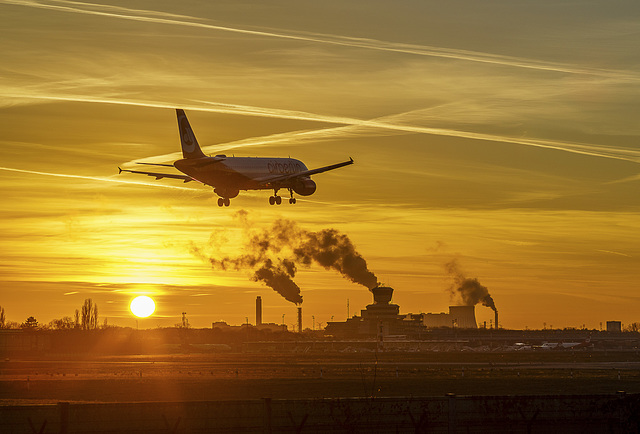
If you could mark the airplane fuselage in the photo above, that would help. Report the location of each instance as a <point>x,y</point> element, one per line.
<point>228,175</point>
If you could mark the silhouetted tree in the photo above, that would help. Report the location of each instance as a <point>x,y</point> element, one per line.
<point>2,318</point>
<point>633,327</point>
<point>63,323</point>
<point>89,315</point>
<point>12,325</point>
<point>30,323</point>
<point>77,319</point>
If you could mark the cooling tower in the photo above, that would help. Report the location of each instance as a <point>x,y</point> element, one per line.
<point>258,310</point>
<point>463,317</point>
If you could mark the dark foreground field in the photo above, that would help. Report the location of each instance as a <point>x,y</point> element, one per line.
<point>216,377</point>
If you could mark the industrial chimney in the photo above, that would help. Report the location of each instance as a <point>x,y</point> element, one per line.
<point>299,320</point>
<point>258,310</point>
<point>496,323</point>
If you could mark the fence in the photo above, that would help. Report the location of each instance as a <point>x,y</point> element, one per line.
<point>617,413</point>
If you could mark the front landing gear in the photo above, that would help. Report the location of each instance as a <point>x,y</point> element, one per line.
<point>277,200</point>
<point>224,201</point>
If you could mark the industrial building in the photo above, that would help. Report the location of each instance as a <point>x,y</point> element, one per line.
<point>614,326</point>
<point>383,317</point>
<point>463,317</point>
<point>221,325</point>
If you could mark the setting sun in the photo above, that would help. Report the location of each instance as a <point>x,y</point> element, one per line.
<point>142,306</point>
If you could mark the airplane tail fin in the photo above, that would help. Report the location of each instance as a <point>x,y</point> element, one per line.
<point>190,147</point>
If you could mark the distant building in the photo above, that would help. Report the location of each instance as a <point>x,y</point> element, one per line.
<point>614,326</point>
<point>221,325</point>
<point>272,326</point>
<point>383,317</point>
<point>436,320</point>
<point>463,317</point>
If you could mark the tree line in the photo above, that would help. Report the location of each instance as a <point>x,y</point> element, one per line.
<point>85,318</point>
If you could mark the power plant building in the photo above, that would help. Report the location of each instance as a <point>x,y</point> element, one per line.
<point>383,317</point>
<point>463,317</point>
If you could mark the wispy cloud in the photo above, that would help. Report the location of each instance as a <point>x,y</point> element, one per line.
<point>627,179</point>
<point>601,151</point>
<point>91,178</point>
<point>364,43</point>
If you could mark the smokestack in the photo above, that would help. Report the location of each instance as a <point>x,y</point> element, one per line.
<point>299,320</point>
<point>496,326</point>
<point>258,310</point>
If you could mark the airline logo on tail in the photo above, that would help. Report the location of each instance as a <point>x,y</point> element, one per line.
<point>190,148</point>
<point>188,138</point>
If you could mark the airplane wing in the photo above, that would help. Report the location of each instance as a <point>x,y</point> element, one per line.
<point>185,178</point>
<point>281,178</point>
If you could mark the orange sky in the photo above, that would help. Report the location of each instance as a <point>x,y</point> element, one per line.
<point>502,134</point>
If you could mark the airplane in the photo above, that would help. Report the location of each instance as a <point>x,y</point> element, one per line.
<point>229,175</point>
<point>566,345</point>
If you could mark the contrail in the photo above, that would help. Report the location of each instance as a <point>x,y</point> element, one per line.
<point>213,107</point>
<point>577,148</point>
<point>387,122</point>
<point>614,253</point>
<point>117,8</point>
<point>365,43</point>
<point>623,180</point>
<point>91,178</point>
<point>297,137</point>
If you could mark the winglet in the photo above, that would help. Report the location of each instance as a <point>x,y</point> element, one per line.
<point>119,170</point>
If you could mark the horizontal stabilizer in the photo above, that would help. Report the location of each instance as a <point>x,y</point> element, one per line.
<point>157,175</point>
<point>156,164</point>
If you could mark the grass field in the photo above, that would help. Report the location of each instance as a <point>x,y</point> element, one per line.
<point>251,376</point>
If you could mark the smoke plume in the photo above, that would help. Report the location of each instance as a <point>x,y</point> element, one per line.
<point>469,291</point>
<point>273,256</point>
<point>333,250</point>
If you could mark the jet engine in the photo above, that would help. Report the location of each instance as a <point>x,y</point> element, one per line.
<point>226,192</point>
<point>304,187</point>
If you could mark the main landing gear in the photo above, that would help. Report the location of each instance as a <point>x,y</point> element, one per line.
<point>224,201</point>
<point>277,200</point>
